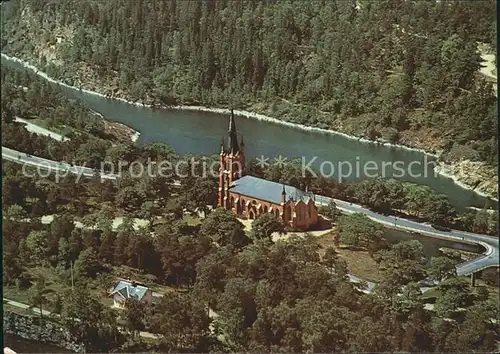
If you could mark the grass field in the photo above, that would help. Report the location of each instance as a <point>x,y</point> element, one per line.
<point>359,262</point>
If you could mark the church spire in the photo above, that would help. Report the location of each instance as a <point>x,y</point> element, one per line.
<point>222,148</point>
<point>233,138</point>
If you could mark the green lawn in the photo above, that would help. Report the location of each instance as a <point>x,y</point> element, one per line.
<point>12,293</point>
<point>192,220</point>
<point>359,262</point>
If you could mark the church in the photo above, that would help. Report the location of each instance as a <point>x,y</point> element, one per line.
<point>249,196</point>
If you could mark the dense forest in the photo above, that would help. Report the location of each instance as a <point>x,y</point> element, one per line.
<point>92,144</point>
<point>227,289</point>
<point>406,71</point>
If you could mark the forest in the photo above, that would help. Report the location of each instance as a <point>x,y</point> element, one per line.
<point>31,97</point>
<point>404,71</point>
<point>226,288</point>
<point>396,69</point>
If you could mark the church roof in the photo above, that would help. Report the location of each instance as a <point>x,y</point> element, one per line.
<point>267,190</point>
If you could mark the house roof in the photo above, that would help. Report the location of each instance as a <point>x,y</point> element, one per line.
<point>267,190</point>
<point>128,290</point>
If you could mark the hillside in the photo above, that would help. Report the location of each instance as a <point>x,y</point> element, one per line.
<point>407,72</point>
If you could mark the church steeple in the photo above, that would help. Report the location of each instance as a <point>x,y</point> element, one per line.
<point>233,138</point>
<point>232,162</point>
<point>222,148</point>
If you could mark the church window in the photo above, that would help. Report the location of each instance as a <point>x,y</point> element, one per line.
<point>288,213</point>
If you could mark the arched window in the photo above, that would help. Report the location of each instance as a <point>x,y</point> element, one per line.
<point>265,209</point>
<point>277,213</point>
<point>243,205</point>
<point>232,202</point>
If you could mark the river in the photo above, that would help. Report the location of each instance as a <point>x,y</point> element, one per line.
<point>194,132</point>
<point>190,132</point>
<point>430,245</point>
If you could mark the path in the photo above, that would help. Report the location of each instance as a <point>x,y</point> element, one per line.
<point>33,128</point>
<point>137,223</point>
<point>24,306</point>
<point>48,313</point>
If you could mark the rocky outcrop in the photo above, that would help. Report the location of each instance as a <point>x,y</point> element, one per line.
<point>473,175</point>
<point>29,328</point>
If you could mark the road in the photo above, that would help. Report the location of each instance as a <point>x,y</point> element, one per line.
<point>33,128</point>
<point>60,167</point>
<point>489,258</point>
<point>48,313</point>
<point>137,223</point>
<point>491,244</point>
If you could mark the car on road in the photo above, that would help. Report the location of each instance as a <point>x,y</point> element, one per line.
<point>441,228</point>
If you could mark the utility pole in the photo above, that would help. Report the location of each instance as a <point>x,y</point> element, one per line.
<point>72,280</point>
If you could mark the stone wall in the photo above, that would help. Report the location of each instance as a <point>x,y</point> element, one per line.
<point>29,328</point>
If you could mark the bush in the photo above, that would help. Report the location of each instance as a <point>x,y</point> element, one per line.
<point>491,276</point>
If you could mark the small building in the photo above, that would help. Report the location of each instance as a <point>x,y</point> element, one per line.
<point>125,289</point>
<point>250,196</point>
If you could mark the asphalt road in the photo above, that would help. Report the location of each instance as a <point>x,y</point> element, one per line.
<point>61,168</point>
<point>489,258</point>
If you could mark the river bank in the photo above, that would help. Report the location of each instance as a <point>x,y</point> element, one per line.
<point>482,180</point>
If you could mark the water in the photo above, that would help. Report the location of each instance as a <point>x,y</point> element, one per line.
<point>430,245</point>
<point>201,132</point>
<point>21,345</point>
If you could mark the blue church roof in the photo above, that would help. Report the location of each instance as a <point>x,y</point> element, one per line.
<point>259,188</point>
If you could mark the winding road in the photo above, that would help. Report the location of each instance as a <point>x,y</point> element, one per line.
<point>489,258</point>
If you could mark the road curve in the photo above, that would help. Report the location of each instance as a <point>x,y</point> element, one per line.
<point>489,258</point>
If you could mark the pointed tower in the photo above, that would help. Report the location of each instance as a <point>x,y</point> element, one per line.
<point>233,136</point>
<point>242,144</point>
<point>232,162</point>
<point>222,174</point>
